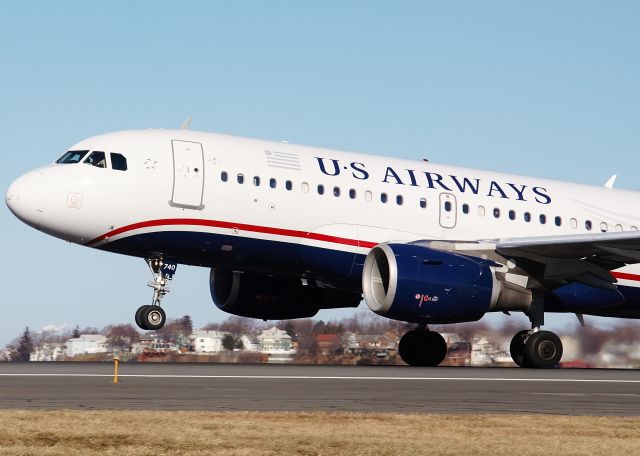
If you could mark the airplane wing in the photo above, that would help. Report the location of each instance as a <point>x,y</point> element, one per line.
<point>584,258</point>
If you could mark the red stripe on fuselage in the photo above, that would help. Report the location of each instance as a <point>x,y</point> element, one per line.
<point>626,276</point>
<point>233,226</point>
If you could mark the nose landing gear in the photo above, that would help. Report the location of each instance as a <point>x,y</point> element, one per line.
<point>152,317</point>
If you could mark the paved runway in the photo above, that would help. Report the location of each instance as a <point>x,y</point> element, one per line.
<point>181,386</point>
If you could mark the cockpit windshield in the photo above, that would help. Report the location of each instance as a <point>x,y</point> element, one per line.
<point>97,159</point>
<point>72,156</point>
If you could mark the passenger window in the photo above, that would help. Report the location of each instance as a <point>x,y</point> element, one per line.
<point>223,176</point>
<point>241,178</point>
<point>604,227</point>
<point>587,225</point>
<point>618,228</point>
<point>465,208</point>
<point>543,219</point>
<point>118,162</point>
<point>272,183</point>
<point>496,212</point>
<point>574,223</point>
<point>447,206</point>
<point>72,156</point>
<point>481,211</point>
<point>320,189</point>
<point>304,187</point>
<point>288,185</point>
<point>352,194</point>
<point>512,215</point>
<point>383,197</point>
<point>368,196</point>
<point>423,203</point>
<point>97,159</point>
<point>399,200</point>
<point>558,221</point>
<point>256,181</point>
<point>527,217</point>
<point>336,191</point>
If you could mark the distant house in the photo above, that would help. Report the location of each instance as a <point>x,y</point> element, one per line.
<point>47,352</point>
<point>249,343</point>
<point>86,344</point>
<point>328,344</point>
<point>274,341</point>
<point>205,341</point>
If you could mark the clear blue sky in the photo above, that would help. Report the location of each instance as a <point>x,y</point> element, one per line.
<point>539,88</point>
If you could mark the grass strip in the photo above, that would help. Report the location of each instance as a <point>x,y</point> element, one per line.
<point>71,432</point>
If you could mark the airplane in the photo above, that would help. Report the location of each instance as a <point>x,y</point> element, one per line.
<point>288,230</point>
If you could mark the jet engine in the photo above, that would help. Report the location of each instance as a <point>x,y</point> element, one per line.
<point>419,284</point>
<point>273,297</point>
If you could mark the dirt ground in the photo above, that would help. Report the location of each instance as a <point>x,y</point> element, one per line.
<point>72,432</point>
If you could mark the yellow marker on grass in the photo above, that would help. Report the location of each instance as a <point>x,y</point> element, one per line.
<point>116,361</point>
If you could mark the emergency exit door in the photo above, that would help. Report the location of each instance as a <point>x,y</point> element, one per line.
<point>188,174</point>
<point>448,210</point>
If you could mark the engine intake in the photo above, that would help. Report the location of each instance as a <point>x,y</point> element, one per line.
<point>273,298</point>
<point>422,285</point>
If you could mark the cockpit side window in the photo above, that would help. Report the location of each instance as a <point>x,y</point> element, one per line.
<point>118,161</point>
<point>97,159</point>
<point>72,156</point>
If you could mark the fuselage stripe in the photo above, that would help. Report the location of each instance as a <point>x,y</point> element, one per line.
<point>236,227</point>
<point>626,276</point>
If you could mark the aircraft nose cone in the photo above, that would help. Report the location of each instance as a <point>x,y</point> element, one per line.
<point>25,197</point>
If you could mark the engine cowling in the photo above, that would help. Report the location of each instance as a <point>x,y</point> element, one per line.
<point>422,285</point>
<point>273,298</point>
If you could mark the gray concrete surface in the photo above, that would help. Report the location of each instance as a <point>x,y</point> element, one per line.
<point>182,386</point>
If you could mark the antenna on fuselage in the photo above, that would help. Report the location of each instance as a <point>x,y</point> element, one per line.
<point>611,181</point>
<point>186,124</point>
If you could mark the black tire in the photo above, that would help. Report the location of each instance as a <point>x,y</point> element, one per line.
<point>517,348</point>
<point>435,350</point>
<point>153,317</point>
<point>138,317</point>
<point>543,350</point>
<point>409,346</point>
<point>422,348</point>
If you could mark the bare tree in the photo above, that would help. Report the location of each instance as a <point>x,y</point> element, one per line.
<point>121,336</point>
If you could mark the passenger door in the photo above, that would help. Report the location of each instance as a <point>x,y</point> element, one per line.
<point>188,174</point>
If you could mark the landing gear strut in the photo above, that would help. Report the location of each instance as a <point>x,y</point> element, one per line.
<point>421,347</point>
<point>536,348</point>
<point>152,317</point>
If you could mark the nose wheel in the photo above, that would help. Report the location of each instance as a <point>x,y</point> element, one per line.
<point>152,317</point>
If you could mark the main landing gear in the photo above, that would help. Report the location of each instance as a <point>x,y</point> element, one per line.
<point>421,347</point>
<point>536,348</point>
<point>152,317</point>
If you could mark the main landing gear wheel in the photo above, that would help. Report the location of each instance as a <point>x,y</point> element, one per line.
<point>421,347</point>
<point>517,347</point>
<point>540,349</point>
<point>543,350</point>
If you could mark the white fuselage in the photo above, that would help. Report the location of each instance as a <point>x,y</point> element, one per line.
<point>187,181</point>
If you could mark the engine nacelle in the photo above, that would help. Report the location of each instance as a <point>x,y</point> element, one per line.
<point>422,285</point>
<point>273,298</point>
